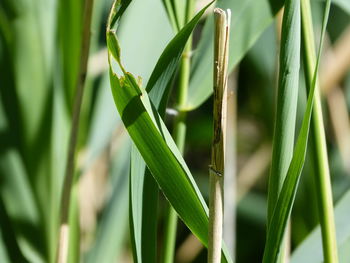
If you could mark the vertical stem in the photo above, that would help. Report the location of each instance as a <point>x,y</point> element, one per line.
<point>222,20</point>
<point>322,175</point>
<point>62,253</point>
<point>230,184</point>
<point>179,134</point>
<point>287,100</point>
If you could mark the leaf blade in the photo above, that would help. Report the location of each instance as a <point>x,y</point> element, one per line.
<point>285,200</point>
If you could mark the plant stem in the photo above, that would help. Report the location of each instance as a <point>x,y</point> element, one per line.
<point>216,197</point>
<point>322,175</point>
<point>230,184</point>
<point>62,253</point>
<point>179,134</point>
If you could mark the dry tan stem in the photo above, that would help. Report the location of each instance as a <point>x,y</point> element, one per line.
<point>229,224</point>
<point>222,29</point>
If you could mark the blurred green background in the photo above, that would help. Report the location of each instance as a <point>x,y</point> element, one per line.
<point>39,63</point>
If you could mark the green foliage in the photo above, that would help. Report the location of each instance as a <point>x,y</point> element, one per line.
<point>283,207</point>
<point>151,137</point>
<point>40,54</point>
<point>249,20</point>
<point>283,140</point>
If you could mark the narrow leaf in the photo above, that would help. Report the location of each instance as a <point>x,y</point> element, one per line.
<point>283,139</point>
<point>143,188</point>
<point>285,201</point>
<point>160,153</point>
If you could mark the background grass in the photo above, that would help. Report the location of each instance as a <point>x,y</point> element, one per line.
<point>39,60</point>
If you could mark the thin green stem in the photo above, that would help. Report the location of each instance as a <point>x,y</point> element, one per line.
<point>62,251</point>
<point>179,134</point>
<point>322,175</point>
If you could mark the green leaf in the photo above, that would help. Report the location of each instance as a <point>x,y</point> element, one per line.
<point>168,62</point>
<point>143,189</point>
<point>318,139</point>
<point>159,151</point>
<point>169,7</point>
<point>283,138</point>
<point>287,100</point>
<point>249,19</point>
<point>176,11</point>
<point>154,34</point>
<point>343,4</point>
<point>143,198</point>
<point>310,249</point>
<point>285,200</point>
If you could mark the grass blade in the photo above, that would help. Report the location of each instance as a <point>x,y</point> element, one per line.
<point>171,11</point>
<point>283,138</point>
<point>141,185</point>
<point>169,169</point>
<point>343,4</point>
<point>319,147</point>
<point>179,123</point>
<point>143,199</point>
<point>285,201</point>
<point>152,139</point>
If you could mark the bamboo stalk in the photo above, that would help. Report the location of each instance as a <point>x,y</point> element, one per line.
<point>62,252</point>
<point>216,171</point>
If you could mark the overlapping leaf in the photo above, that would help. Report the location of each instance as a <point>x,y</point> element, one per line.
<point>143,188</point>
<point>285,200</point>
<point>157,147</point>
<point>283,140</point>
<point>159,151</point>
